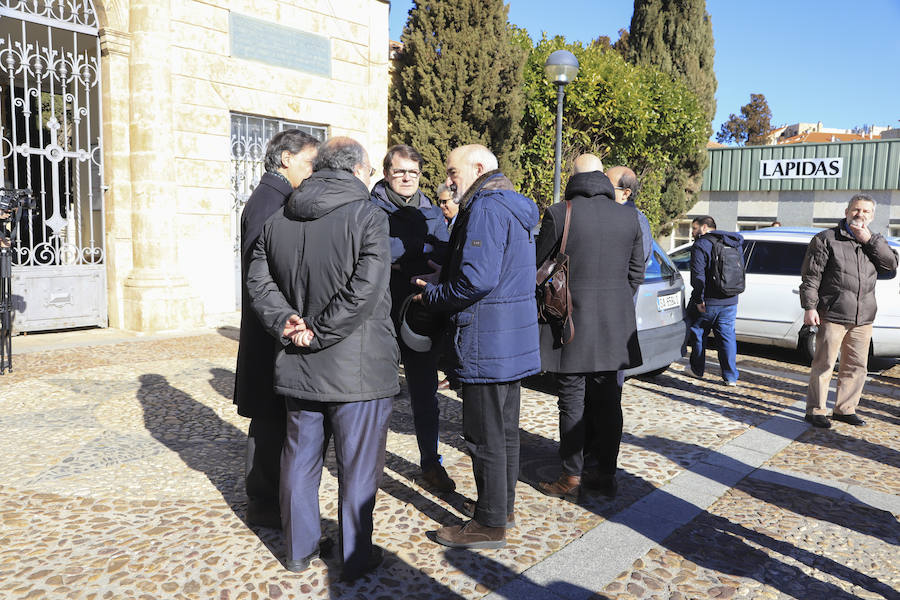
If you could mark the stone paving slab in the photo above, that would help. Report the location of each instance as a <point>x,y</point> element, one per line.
<point>122,474</point>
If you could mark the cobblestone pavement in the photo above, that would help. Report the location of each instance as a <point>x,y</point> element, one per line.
<point>122,469</point>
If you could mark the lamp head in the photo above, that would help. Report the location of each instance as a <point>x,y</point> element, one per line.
<point>561,67</point>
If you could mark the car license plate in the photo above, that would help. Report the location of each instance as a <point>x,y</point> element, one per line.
<point>667,302</point>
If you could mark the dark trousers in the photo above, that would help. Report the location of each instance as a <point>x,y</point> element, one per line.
<point>421,380</point>
<point>590,420</point>
<point>265,439</point>
<point>360,434</point>
<point>491,430</point>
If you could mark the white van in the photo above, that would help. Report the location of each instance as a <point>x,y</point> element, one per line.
<point>769,310</point>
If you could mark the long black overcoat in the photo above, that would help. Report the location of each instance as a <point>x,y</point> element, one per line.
<point>606,266</point>
<point>253,383</point>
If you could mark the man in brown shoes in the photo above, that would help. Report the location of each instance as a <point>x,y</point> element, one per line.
<point>604,245</point>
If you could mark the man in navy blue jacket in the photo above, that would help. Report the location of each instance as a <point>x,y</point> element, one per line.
<point>487,286</point>
<point>418,235</point>
<point>709,308</point>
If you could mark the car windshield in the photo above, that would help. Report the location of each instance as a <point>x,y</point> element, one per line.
<point>659,266</point>
<point>682,259</point>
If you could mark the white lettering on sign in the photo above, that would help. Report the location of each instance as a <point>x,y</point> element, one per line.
<point>801,168</point>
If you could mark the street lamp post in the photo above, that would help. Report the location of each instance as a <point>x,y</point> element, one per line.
<point>561,68</point>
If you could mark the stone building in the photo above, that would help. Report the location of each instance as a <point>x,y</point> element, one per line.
<point>801,185</point>
<point>140,124</point>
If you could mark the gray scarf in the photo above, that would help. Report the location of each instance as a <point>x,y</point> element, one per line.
<point>401,202</point>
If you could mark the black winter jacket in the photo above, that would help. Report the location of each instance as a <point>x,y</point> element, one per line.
<point>839,275</point>
<point>606,267</point>
<point>253,392</point>
<point>326,257</point>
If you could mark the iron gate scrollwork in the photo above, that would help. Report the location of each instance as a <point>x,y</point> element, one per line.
<point>50,142</point>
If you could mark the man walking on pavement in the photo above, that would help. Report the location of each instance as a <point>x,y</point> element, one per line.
<point>318,281</point>
<point>606,266</point>
<point>710,306</point>
<point>418,235</point>
<point>288,162</point>
<point>837,294</point>
<point>488,287</point>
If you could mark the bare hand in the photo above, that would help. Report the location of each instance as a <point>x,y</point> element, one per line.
<point>302,339</point>
<point>861,233</point>
<point>701,307</point>
<point>811,317</point>
<point>294,325</point>
<point>433,278</point>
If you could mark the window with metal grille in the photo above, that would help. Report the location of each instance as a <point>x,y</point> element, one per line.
<point>249,136</point>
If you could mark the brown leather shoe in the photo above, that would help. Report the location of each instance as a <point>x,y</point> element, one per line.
<point>468,509</point>
<point>566,485</point>
<point>472,535</point>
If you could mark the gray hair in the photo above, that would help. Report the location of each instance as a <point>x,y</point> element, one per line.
<point>861,198</point>
<point>629,181</point>
<point>340,154</point>
<point>289,140</point>
<point>441,189</point>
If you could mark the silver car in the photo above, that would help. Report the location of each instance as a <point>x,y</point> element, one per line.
<point>660,315</point>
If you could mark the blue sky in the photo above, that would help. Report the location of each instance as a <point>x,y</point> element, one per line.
<point>830,60</point>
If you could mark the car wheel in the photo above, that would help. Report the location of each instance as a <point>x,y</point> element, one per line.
<point>806,345</point>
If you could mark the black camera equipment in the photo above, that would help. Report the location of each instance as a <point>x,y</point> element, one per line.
<point>13,204</point>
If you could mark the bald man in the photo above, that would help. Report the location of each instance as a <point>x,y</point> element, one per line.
<point>587,163</point>
<point>605,269</point>
<point>487,287</point>
<point>627,186</point>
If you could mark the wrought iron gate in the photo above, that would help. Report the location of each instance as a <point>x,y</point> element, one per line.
<point>50,142</point>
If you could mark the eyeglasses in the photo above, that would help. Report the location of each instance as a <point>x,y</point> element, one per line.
<point>413,173</point>
<point>619,188</point>
<point>445,201</point>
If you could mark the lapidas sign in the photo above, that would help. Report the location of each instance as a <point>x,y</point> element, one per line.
<point>802,168</point>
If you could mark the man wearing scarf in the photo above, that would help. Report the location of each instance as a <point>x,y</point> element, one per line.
<point>418,237</point>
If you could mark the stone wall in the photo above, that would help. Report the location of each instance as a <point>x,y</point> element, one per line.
<point>194,208</point>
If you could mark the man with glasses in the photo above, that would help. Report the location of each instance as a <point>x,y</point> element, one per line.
<point>418,237</point>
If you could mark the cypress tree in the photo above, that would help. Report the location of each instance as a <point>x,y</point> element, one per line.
<point>676,37</point>
<point>458,81</point>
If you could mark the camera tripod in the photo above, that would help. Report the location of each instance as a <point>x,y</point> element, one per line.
<point>5,309</point>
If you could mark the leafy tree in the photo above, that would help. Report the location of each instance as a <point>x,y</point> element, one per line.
<point>459,81</point>
<point>676,37</point>
<point>751,127</point>
<point>627,114</point>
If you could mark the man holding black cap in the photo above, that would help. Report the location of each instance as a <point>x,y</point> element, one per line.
<point>418,237</point>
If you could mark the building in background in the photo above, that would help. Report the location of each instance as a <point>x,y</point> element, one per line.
<point>140,125</point>
<point>801,185</point>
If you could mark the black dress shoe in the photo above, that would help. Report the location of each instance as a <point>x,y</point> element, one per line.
<point>593,482</point>
<point>300,565</point>
<point>375,559</point>
<point>852,419</point>
<point>818,421</point>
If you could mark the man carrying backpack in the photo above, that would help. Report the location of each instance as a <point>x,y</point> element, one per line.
<point>717,277</point>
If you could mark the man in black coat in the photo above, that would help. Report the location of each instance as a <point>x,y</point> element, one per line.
<point>289,159</point>
<point>318,281</point>
<point>606,266</point>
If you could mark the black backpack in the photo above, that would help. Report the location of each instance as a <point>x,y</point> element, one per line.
<point>726,268</point>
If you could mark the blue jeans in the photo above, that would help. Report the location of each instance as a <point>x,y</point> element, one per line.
<point>721,320</point>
